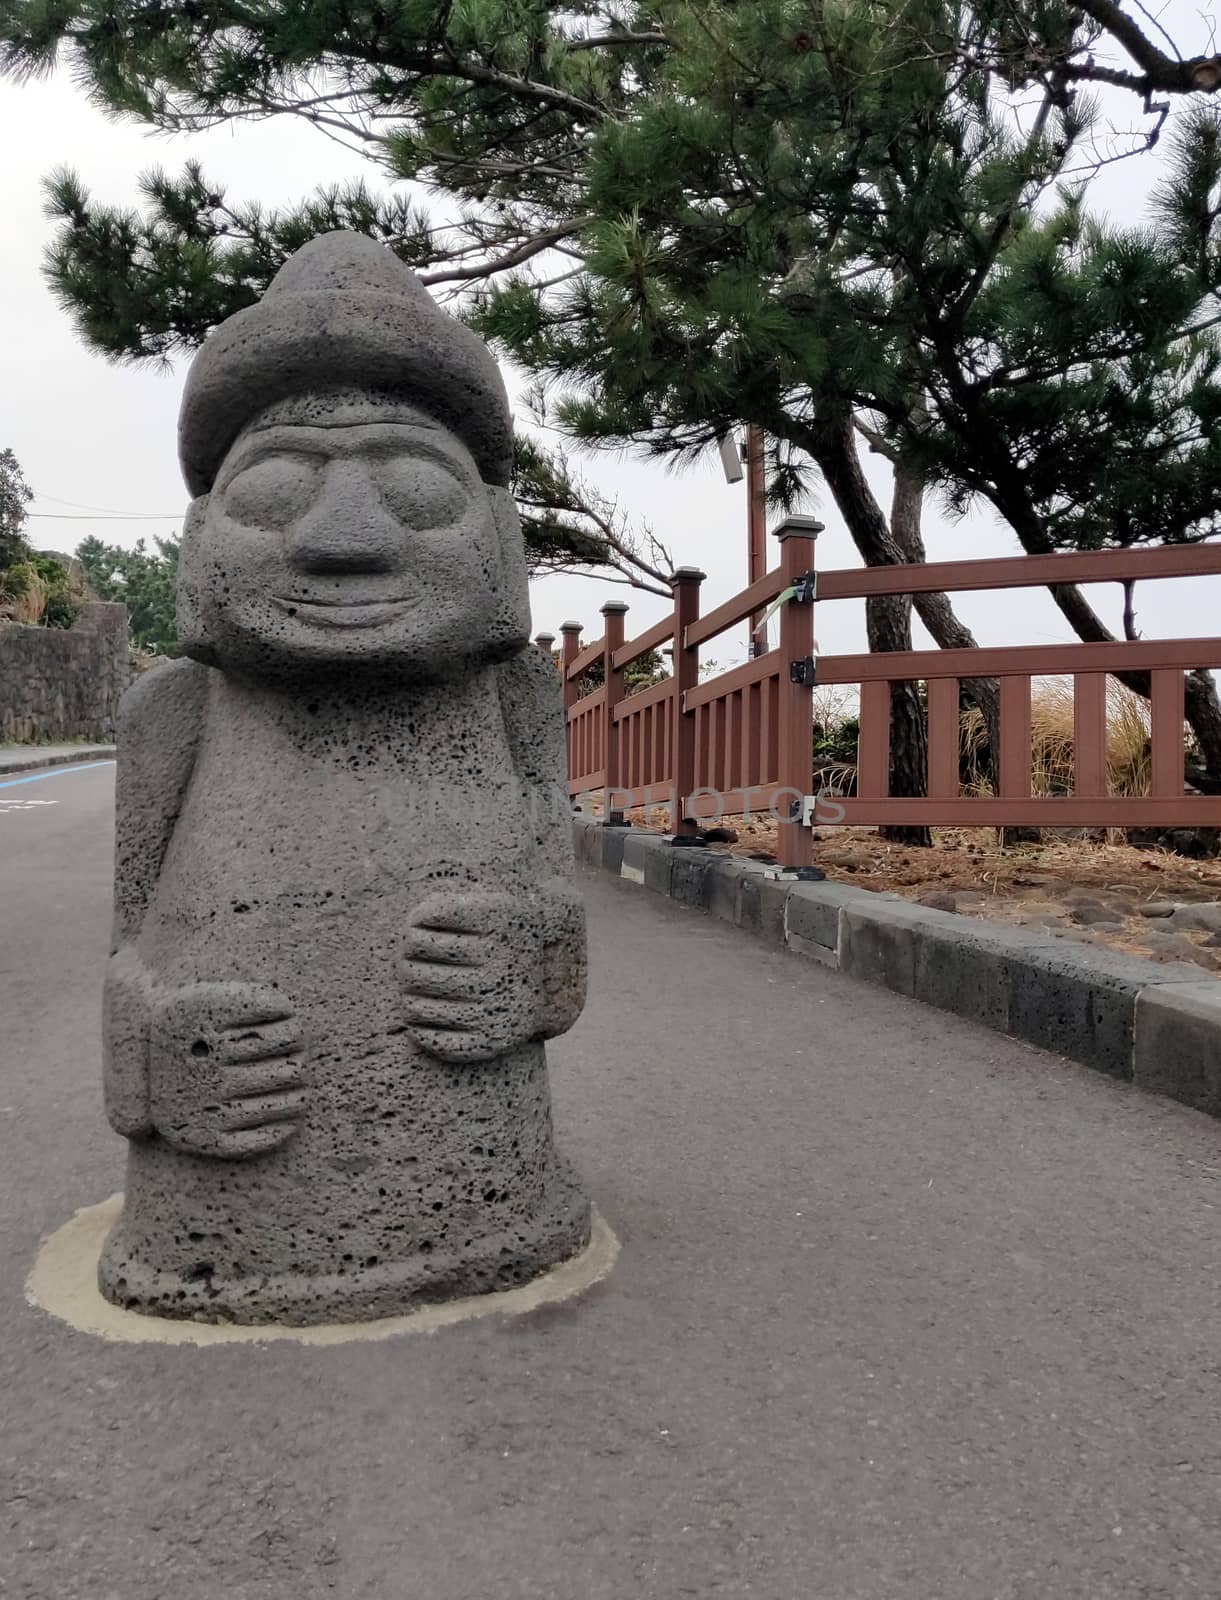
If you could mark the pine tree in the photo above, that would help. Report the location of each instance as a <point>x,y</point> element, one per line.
<point>826,219</point>
<point>144,580</point>
<point>15,496</point>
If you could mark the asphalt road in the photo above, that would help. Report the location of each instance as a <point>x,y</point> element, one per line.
<point>905,1311</point>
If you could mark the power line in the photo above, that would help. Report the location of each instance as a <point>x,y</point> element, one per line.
<point>116,516</point>
<point>78,505</point>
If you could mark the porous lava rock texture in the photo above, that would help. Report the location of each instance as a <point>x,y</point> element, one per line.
<point>344,917</point>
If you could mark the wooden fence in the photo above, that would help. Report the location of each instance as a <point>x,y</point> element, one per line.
<point>743,741</point>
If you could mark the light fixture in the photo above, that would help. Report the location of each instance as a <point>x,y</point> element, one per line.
<point>731,458</point>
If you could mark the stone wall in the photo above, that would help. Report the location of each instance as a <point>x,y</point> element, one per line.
<point>64,683</point>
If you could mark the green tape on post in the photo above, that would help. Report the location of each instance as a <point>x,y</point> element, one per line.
<point>787,594</point>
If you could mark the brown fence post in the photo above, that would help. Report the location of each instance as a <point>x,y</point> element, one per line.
<point>546,643</point>
<point>570,650</point>
<point>614,612</point>
<point>686,582</point>
<point>796,716</point>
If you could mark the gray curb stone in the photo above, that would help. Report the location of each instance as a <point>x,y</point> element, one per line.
<point>812,917</point>
<point>1156,1025</point>
<point>1178,1027</point>
<point>12,763</point>
<point>761,906</point>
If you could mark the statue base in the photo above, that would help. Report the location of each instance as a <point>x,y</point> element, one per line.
<point>362,1291</point>
<point>64,1284</point>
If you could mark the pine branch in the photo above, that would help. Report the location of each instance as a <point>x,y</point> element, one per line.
<point>1159,72</point>
<point>616,40</point>
<point>512,258</point>
<point>956,315</point>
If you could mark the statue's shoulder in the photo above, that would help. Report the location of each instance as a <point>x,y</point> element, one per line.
<point>165,703</point>
<point>533,710</point>
<point>160,718</point>
<point>530,672</point>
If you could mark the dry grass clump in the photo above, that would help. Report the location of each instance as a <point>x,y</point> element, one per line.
<point>1129,761</point>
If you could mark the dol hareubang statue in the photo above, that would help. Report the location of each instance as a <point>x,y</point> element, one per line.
<point>343,918</point>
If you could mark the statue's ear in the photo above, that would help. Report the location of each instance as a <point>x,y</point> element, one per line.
<point>512,623</point>
<point>190,610</point>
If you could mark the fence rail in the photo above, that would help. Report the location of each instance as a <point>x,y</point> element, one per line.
<point>743,740</point>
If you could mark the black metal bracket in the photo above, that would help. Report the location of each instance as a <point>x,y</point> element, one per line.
<point>805,588</point>
<point>803,672</point>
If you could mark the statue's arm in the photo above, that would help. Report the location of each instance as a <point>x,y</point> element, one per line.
<point>534,717</point>
<point>159,722</point>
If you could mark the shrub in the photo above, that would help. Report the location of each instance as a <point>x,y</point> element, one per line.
<point>1128,748</point>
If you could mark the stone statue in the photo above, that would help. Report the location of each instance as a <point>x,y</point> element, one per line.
<point>344,922</point>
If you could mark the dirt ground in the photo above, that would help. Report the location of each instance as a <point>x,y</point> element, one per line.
<point>1145,901</point>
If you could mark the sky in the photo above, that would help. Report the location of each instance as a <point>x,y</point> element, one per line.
<point>96,439</point>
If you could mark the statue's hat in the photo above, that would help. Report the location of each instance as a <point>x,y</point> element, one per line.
<point>343,313</point>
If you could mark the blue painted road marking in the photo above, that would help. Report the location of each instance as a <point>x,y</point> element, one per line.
<point>55,772</point>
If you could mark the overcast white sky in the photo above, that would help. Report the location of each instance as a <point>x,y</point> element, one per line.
<point>103,436</point>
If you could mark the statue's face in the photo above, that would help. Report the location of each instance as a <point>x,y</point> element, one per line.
<point>340,531</point>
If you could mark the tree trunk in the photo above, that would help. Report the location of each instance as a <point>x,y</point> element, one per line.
<point>832,445</point>
<point>887,617</point>
<point>1201,703</point>
<point>935,611</point>
<point>888,625</point>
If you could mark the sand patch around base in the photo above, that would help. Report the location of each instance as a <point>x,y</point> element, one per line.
<point>63,1283</point>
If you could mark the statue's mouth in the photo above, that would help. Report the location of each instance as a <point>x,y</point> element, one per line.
<point>346,613</point>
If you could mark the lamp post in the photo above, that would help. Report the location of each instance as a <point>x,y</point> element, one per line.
<point>756,531</point>
<point>756,515</point>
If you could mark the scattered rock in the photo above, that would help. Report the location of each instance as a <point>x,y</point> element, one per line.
<point>1091,912</point>
<point>1206,916</point>
<point>938,900</point>
<point>835,859</point>
<point>1177,947</point>
<point>1198,844</point>
<point>1157,908</point>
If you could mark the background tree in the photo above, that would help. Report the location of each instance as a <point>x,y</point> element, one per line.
<point>144,580</point>
<point>15,496</point>
<point>35,587</point>
<point>832,220</point>
<point>570,526</point>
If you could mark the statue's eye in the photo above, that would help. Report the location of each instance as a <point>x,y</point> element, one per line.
<point>420,492</point>
<point>273,491</point>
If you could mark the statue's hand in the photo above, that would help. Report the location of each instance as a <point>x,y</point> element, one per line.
<point>473,974</point>
<point>225,1069</point>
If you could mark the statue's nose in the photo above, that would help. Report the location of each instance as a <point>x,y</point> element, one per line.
<point>347,529</point>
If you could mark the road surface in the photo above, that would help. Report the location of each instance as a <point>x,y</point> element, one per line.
<point>905,1311</point>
